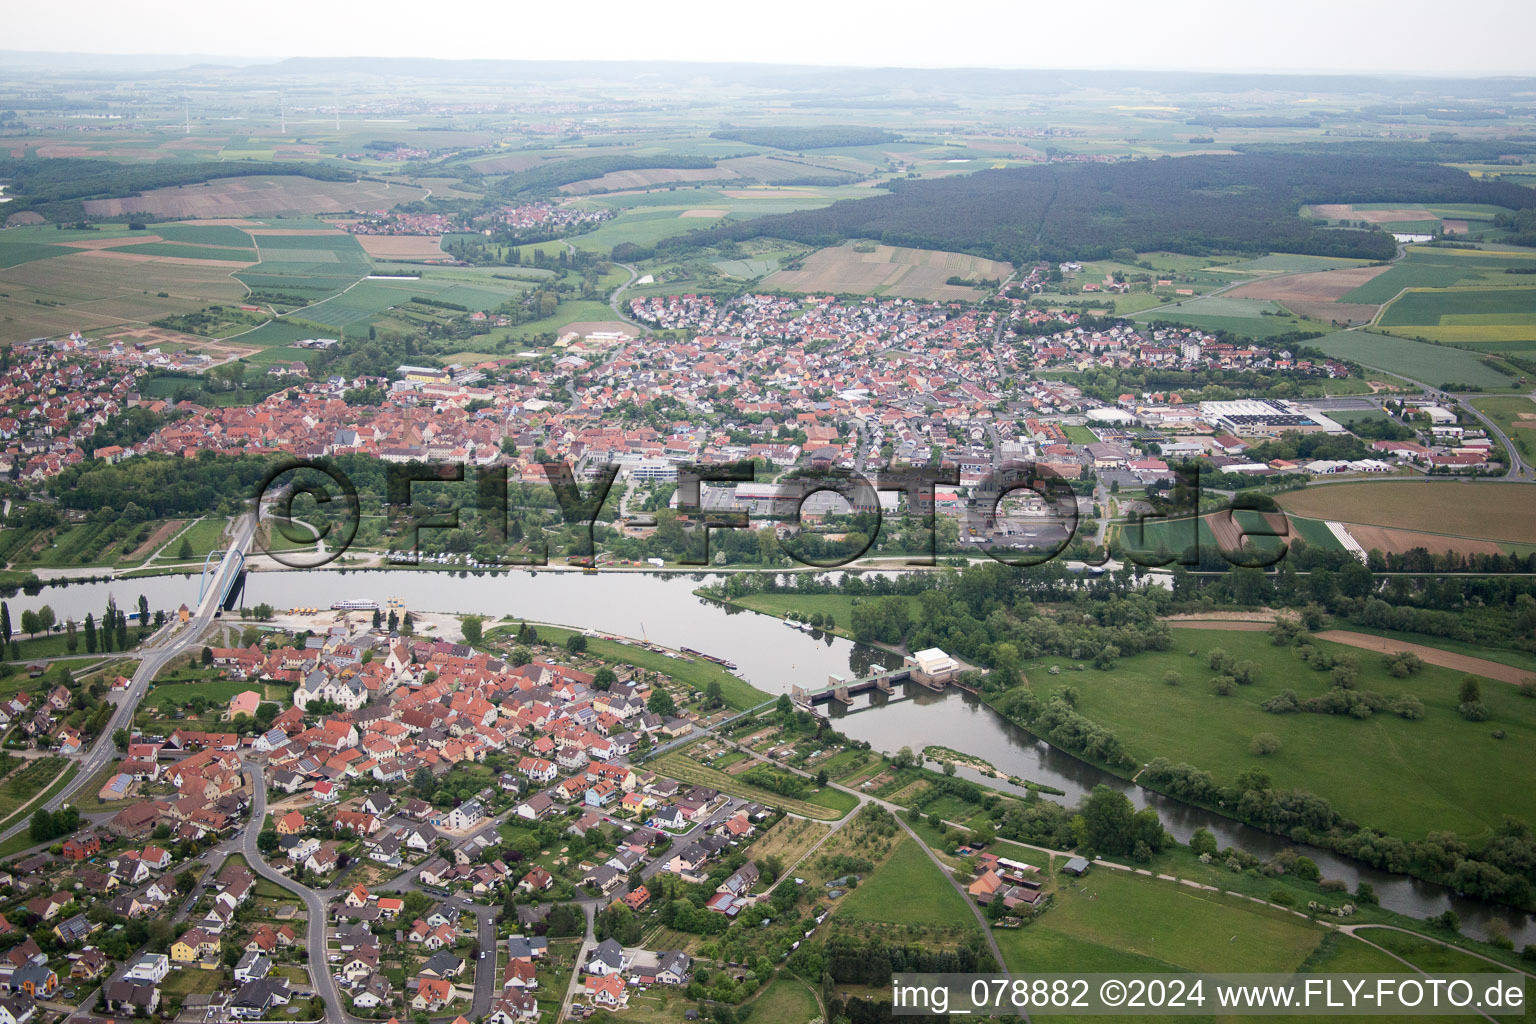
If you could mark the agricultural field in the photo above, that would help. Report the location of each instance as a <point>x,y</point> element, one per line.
<point>1432,364</point>
<point>614,181</point>
<point>1316,294</point>
<point>1430,267</point>
<point>1393,541</point>
<point>1440,772</point>
<point>868,269</point>
<point>1499,512</point>
<point>47,290</point>
<point>1465,315</point>
<point>1243,529</point>
<point>277,196</point>
<point>1116,921</point>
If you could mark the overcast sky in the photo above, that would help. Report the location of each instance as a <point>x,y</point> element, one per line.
<point>1409,36</point>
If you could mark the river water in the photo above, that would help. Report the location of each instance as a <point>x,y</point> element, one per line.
<point>663,609</point>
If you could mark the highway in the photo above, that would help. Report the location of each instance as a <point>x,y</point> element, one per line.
<point>151,660</point>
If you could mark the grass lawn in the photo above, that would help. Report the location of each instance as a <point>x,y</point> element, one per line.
<point>192,980</point>
<point>1407,777</point>
<point>907,890</point>
<point>738,693</point>
<point>828,805</point>
<point>176,694</point>
<point>1114,920</point>
<point>203,536</point>
<point>22,840</point>
<point>1081,435</point>
<point>784,1001</point>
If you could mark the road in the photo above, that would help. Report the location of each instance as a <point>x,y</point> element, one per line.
<point>314,904</point>
<point>174,640</point>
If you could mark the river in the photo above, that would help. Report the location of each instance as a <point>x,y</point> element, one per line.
<point>663,609</point>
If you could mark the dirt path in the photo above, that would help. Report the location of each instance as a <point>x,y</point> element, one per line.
<point>1366,642</point>
<point>1430,655</point>
<point>1232,625</point>
<point>161,536</point>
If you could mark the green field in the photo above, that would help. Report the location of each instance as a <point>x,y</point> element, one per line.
<point>1257,318</point>
<point>204,234</point>
<point>1116,921</point>
<point>1432,364</point>
<point>1432,306</point>
<point>1406,777</point>
<point>1425,267</point>
<point>908,889</point>
<point>1080,435</point>
<point>190,252</point>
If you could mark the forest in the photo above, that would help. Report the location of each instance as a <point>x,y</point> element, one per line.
<point>1195,205</point>
<point>796,139</point>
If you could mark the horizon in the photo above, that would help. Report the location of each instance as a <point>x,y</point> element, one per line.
<point>1196,36</point>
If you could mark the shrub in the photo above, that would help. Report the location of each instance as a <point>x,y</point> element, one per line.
<point>1264,744</point>
<point>1473,711</point>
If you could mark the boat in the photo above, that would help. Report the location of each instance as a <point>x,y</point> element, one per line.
<point>356,604</point>
<point>709,657</point>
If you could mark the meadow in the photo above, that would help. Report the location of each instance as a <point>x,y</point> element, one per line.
<point>1116,921</point>
<point>907,889</point>
<point>1407,777</point>
<point>1485,511</point>
<point>786,1001</point>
